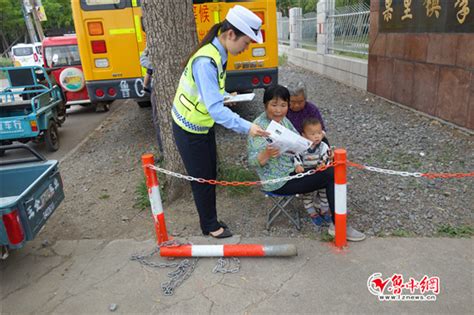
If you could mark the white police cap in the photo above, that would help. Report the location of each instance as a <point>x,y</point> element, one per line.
<point>245,21</point>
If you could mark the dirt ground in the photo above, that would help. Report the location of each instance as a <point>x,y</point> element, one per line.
<point>102,176</point>
<point>101,180</point>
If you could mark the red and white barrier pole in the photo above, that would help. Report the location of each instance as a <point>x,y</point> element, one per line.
<point>228,250</point>
<point>340,196</point>
<point>155,198</point>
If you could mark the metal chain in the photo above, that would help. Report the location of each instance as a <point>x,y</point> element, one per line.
<point>235,183</point>
<point>384,171</point>
<point>183,270</point>
<point>224,265</point>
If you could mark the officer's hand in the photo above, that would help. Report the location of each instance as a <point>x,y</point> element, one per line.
<point>256,130</point>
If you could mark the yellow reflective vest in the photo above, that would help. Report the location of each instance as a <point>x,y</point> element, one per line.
<point>189,112</point>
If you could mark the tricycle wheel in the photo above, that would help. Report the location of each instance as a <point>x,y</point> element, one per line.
<point>51,136</point>
<point>3,252</point>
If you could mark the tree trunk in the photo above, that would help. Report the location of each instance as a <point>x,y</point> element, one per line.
<point>171,37</point>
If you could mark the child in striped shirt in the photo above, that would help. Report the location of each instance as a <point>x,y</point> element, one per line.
<point>317,155</point>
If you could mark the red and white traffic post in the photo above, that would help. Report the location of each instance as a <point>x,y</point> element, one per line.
<point>340,196</point>
<point>155,198</point>
<point>229,250</point>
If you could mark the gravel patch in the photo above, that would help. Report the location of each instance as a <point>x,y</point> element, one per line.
<point>102,175</point>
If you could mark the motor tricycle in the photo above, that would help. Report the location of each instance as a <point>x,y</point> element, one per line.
<point>30,191</point>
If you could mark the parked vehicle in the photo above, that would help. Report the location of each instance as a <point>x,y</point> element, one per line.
<point>62,60</point>
<point>27,55</point>
<point>30,190</point>
<point>31,108</point>
<point>111,39</point>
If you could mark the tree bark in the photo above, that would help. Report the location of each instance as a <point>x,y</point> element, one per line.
<point>171,37</point>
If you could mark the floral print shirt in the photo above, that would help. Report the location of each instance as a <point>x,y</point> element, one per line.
<point>276,167</point>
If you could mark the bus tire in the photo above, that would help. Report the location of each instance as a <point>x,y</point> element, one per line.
<point>144,104</point>
<point>105,106</point>
<point>51,136</point>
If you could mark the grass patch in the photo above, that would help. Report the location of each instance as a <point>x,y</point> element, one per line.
<point>104,196</point>
<point>325,237</point>
<point>142,201</point>
<point>282,60</point>
<point>239,174</point>
<point>462,231</point>
<point>351,54</point>
<point>401,233</point>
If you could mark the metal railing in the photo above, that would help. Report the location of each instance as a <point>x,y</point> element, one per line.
<point>283,27</point>
<point>308,32</point>
<point>348,29</point>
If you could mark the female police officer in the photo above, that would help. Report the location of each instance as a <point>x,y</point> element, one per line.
<point>198,104</point>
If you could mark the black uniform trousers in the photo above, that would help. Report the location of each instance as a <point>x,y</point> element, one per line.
<point>199,155</point>
<point>307,184</point>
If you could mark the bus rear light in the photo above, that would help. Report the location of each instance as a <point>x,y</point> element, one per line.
<point>261,15</point>
<point>98,46</point>
<point>255,80</point>
<point>111,91</point>
<point>95,28</point>
<point>101,63</point>
<point>267,79</point>
<point>34,125</point>
<point>263,35</point>
<point>12,224</point>
<point>258,52</point>
<point>99,93</point>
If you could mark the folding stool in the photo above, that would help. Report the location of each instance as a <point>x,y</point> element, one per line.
<point>280,203</point>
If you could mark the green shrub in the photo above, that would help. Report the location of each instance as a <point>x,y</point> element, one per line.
<point>282,60</point>
<point>5,62</point>
<point>455,231</point>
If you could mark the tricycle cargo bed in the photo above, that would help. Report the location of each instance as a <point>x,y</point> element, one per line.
<point>29,194</point>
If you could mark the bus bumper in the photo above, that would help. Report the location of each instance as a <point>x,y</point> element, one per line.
<point>109,90</point>
<point>244,80</point>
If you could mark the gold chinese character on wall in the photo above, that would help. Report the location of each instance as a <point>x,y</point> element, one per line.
<point>464,10</point>
<point>407,5</point>
<point>387,14</point>
<point>432,6</point>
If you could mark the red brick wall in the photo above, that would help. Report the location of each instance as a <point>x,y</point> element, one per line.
<point>431,72</point>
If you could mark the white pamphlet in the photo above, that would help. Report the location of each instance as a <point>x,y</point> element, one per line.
<point>247,97</point>
<point>287,141</point>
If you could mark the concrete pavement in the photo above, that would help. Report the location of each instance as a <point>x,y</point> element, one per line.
<point>87,276</point>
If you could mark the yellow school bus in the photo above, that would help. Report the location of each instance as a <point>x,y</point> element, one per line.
<point>110,39</point>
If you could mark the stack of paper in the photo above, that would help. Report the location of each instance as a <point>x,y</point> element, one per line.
<point>287,141</point>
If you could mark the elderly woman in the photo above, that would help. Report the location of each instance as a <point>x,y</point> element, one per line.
<point>270,164</point>
<point>300,108</point>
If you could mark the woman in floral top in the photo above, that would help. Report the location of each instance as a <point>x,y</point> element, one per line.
<point>270,164</point>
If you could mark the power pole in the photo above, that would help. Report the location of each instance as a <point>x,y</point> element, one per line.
<point>26,8</point>
<point>35,4</point>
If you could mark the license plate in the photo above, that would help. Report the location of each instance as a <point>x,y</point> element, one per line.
<point>11,126</point>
